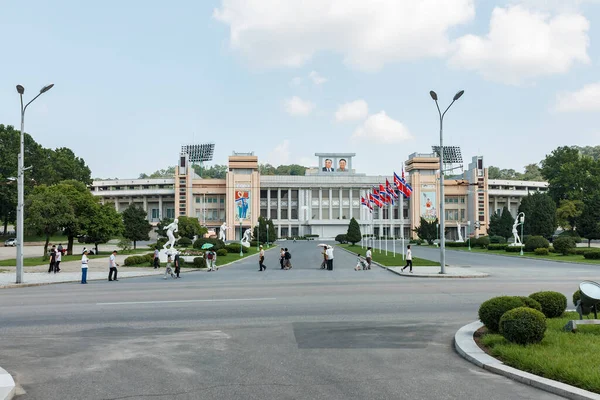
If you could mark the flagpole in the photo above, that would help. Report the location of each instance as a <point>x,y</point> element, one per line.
<point>386,236</point>
<point>402,223</point>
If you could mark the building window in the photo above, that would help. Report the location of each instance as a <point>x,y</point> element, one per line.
<point>170,213</point>
<point>273,213</point>
<point>263,212</point>
<point>462,215</point>
<point>263,194</point>
<point>294,231</point>
<point>155,213</point>
<point>294,213</point>
<point>284,213</point>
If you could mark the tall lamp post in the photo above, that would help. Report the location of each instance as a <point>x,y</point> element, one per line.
<point>20,180</point>
<point>469,234</point>
<point>442,216</point>
<point>522,221</point>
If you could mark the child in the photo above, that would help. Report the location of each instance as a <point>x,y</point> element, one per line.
<point>169,270</point>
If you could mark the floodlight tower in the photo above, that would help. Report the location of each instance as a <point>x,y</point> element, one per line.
<point>199,153</point>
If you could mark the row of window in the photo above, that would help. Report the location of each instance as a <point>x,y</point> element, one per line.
<point>170,213</point>
<point>137,187</point>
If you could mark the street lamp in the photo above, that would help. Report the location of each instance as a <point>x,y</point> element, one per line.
<point>442,216</point>
<point>521,217</point>
<point>20,183</point>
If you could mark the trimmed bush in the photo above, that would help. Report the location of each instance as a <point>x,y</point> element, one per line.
<point>563,244</point>
<point>199,262</point>
<point>580,251</point>
<point>572,234</point>
<point>497,246</point>
<point>221,252</point>
<point>536,242</point>
<point>551,249</point>
<point>513,249</point>
<point>531,303</point>
<point>482,242</point>
<point>523,325</point>
<point>184,241</point>
<point>541,251</point>
<point>235,248</point>
<point>553,304</point>
<point>341,238</point>
<point>497,239</point>
<point>138,260</point>
<point>592,255</point>
<point>457,244</point>
<point>492,310</point>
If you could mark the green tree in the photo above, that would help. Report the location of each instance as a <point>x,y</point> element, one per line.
<point>540,215</point>
<point>568,212</point>
<point>160,227</point>
<point>501,224</point>
<point>103,224</point>
<point>169,172</point>
<point>47,211</point>
<point>533,172</point>
<point>82,202</point>
<point>260,230</point>
<point>136,227</point>
<point>588,224</point>
<point>353,235</point>
<point>427,230</point>
<point>189,227</point>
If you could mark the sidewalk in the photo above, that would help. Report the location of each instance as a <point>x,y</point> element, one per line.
<point>434,272</point>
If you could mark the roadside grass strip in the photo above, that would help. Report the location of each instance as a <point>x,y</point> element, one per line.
<point>391,259</point>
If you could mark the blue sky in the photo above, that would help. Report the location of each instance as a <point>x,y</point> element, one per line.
<point>135,80</point>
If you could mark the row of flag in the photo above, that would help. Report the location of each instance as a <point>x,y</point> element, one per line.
<point>387,194</point>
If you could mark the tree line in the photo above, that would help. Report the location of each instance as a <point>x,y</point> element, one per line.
<point>218,171</point>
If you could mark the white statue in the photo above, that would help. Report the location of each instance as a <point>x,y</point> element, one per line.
<point>224,227</point>
<point>172,227</point>
<point>247,237</point>
<point>517,239</point>
<point>460,236</point>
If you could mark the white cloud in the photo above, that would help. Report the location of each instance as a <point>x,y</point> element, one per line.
<point>316,78</point>
<point>585,99</point>
<point>382,129</point>
<point>280,155</point>
<point>296,81</point>
<point>366,34</point>
<point>523,45</point>
<point>355,110</point>
<point>298,107</point>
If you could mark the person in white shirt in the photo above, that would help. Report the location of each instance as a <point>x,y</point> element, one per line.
<point>369,257</point>
<point>112,266</point>
<point>329,254</point>
<point>57,262</point>
<point>408,258</point>
<point>84,266</point>
<point>261,259</point>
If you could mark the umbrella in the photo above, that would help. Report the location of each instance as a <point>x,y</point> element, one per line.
<point>206,246</point>
<point>322,245</point>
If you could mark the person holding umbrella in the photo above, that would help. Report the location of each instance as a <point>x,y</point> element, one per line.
<point>324,253</point>
<point>211,257</point>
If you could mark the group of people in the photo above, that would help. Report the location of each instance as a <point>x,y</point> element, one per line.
<point>56,254</point>
<point>112,266</point>
<point>327,258</point>
<point>364,264</point>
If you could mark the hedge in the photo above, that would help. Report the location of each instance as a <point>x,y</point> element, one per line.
<point>580,251</point>
<point>523,325</point>
<point>138,260</point>
<point>235,248</point>
<point>456,244</point>
<point>531,303</point>
<point>563,244</point>
<point>553,304</point>
<point>541,251</point>
<point>221,252</point>
<point>536,242</point>
<point>497,239</point>
<point>592,255</point>
<point>491,311</point>
<point>199,262</point>
<point>482,242</point>
<point>513,249</point>
<point>497,246</point>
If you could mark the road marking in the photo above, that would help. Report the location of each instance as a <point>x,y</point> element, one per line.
<point>183,301</point>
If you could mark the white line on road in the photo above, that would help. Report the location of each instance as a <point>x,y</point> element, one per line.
<point>183,301</point>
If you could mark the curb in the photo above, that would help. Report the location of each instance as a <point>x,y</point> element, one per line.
<point>527,257</point>
<point>7,385</point>
<point>465,346</point>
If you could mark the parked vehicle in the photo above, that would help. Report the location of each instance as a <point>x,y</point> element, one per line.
<point>12,242</point>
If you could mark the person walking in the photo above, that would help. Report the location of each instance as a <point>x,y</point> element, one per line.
<point>287,264</point>
<point>52,259</point>
<point>261,259</point>
<point>112,266</point>
<point>408,259</point>
<point>60,248</point>
<point>369,257</point>
<point>84,266</point>
<point>324,253</point>
<point>282,257</point>
<point>57,261</point>
<point>213,260</point>
<point>169,269</point>
<point>156,259</point>
<point>329,254</point>
<point>177,264</point>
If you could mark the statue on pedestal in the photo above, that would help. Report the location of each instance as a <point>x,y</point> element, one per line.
<point>460,237</point>
<point>517,239</point>
<point>247,237</point>
<point>172,227</point>
<point>222,235</point>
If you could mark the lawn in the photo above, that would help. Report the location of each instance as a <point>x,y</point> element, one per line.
<point>391,260</point>
<point>35,261</point>
<point>551,256</point>
<point>563,356</point>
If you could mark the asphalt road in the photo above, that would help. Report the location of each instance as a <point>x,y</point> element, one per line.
<point>238,333</point>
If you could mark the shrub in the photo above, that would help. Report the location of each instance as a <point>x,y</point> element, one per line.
<point>572,234</point>
<point>184,241</point>
<point>124,244</point>
<point>563,244</point>
<point>491,310</point>
<point>254,243</point>
<point>553,304</point>
<point>541,251</point>
<point>580,251</point>
<point>497,246</point>
<point>199,262</point>
<point>138,260</point>
<point>497,239</point>
<point>592,255</point>
<point>523,325</point>
<point>536,242</point>
<point>341,238</point>
<point>482,242</point>
<point>221,252</point>
<point>235,248</point>
<point>531,303</point>
<point>551,249</point>
<point>217,244</point>
<point>513,249</point>
<point>457,244</point>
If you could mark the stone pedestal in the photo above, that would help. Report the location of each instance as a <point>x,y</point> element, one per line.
<point>164,254</point>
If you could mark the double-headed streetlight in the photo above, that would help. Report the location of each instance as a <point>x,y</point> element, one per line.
<point>441,215</point>
<point>20,181</point>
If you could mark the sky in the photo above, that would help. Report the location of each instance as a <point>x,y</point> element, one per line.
<point>285,79</point>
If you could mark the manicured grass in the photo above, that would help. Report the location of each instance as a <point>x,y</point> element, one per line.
<point>35,261</point>
<point>53,239</point>
<point>390,260</point>
<point>563,356</point>
<point>574,258</point>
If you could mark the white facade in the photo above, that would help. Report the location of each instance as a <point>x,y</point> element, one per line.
<point>508,193</point>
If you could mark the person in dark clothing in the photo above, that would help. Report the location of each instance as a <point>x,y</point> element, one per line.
<point>177,265</point>
<point>52,266</point>
<point>287,264</point>
<point>281,257</point>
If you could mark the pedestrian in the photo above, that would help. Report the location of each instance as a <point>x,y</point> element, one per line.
<point>261,259</point>
<point>282,257</point>
<point>112,266</point>
<point>52,259</point>
<point>169,269</point>
<point>211,261</point>
<point>156,259</point>
<point>329,253</point>
<point>408,259</point>
<point>57,261</point>
<point>84,266</point>
<point>360,263</point>
<point>369,257</point>
<point>287,256</point>
<point>60,248</point>
<point>324,263</point>
<point>177,264</point>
